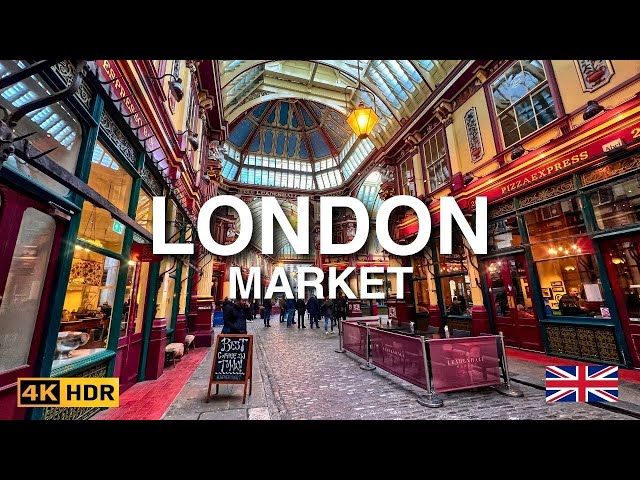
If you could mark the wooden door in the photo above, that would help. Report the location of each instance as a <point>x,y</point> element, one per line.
<point>622,258</point>
<point>29,249</point>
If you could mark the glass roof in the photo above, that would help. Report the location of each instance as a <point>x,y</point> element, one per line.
<point>368,193</point>
<point>293,143</point>
<point>395,88</point>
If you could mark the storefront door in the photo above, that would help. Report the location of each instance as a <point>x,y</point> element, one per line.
<point>29,248</point>
<point>513,310</point>
<point>131,327</point>
<point>622,257</point>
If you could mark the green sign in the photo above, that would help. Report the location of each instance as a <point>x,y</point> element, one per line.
<point>117,227</point>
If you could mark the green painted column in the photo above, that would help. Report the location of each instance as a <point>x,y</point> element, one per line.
<point>149,314</point>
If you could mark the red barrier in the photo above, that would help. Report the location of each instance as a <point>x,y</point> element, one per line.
<point>462,363</point>
<point>399,354</point>
<point>354,339</point>
<point>372,320</point>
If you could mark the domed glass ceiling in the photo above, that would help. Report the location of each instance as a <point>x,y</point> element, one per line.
<point>272,143</point>
<point>293,143</point>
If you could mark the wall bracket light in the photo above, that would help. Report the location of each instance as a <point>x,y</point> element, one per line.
<point>175,85</point>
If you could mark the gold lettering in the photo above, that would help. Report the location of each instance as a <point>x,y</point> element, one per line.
<point>558,166</point>
<point>526,180</point>
<point>566,162</point>
<point>584,155</point>
<point>549,169</point>
<point>534,177</point>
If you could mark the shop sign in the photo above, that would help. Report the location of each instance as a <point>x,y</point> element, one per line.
<point>476,147</point>
<point>143,252</point>
<point>564,164</point>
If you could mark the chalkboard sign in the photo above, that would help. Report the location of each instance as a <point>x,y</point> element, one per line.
<point>232,362</point>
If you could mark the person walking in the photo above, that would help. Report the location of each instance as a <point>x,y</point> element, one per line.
<point>266,311</point>
<point>314,311</point>
<point>291,311</point>
<point>328,310</point>
<point>341,307</point>
<point>301,308</point>
<point>255,307</point>
<point>283,312</point>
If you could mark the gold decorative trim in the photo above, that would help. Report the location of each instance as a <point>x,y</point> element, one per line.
<point>584,341</point>
<point>501,209</point>
<point>547,193</point>
<point>612,170</point>
<point>77,413</point>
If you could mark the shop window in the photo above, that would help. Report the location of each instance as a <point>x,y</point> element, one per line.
<point>456,293</point>
<point>421,292</point>
<point>144,211</point>
<point>23,290</point>
<point>565,263</point>
<point>456,261</point>
<point>503,234</point>
<point>52,127</point>
<point>407,178</point>
<point>89,301</point>
<point>617,204</point>
<point>625,259</point>
<point>523,101</point>
<point>436,160</point>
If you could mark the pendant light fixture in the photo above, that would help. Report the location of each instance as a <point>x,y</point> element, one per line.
<point>363,119</point>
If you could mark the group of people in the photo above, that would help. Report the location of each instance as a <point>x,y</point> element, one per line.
<point>236,314</point>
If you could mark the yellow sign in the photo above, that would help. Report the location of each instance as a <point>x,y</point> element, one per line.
<point>68,392</point>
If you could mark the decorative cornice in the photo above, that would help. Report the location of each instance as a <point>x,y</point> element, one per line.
<point>612,170</point>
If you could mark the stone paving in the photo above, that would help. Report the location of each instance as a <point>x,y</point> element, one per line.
<point>298,375</point>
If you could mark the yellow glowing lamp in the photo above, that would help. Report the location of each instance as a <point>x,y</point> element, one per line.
<point>362,120</point>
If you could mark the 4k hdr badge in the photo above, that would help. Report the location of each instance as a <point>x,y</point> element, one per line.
<point>68,392</point>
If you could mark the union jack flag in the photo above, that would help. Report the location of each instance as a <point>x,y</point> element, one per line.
<point>590,383</point>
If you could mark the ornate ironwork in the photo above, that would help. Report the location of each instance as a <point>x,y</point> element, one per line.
<point>77,413</point>
<point>547,193</point>
<point>612,170</point>
<point>65,70</point>
<point>501,209</point>
<point>583,341</point>
<point>117,137</point>
<point>151,181</point>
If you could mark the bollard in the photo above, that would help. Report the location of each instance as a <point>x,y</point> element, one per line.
<point>430,399</point>
<point>506,388</point>
<point>339,349</point>
<point>368,365</point>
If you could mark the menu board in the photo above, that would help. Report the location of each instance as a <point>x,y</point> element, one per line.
<point>232,361</point>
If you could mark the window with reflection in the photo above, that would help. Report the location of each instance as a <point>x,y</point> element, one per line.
<point>407,178</point>
<point>456,261</point>
<point>88,305</point>
<point>503,234</point>
<point>522,99</point>
<point>565,260</point>
<point>617,204</point>
<point>144,211</point>
<point>53,126</point>
<point>456,293</point>
<point>436,160</point>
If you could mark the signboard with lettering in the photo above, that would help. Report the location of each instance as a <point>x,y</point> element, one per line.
<point>143,252</point>
<point>466,362</point>
<point>232,362</point>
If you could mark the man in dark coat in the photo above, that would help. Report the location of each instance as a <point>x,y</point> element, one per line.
<point>237,320</point>
<point>301,307</point>
<point>266,312</point>
<point>314,311</point>
<point>341,307</point>
<point>328,310</point>
<point>290,305</point>
<point>227,315</point>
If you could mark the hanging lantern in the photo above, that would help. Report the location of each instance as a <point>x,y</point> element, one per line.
<point>362,120</point>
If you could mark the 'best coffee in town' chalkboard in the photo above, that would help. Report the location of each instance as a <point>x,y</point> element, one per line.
<point>232,357</point>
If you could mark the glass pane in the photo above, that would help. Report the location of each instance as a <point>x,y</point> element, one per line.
<point>556,230</point>
<point>109,178</point>
<point>571,286</point>
<point>509,128</point>
<point>526,120</point>
<point>503,233</point>
<point>23,291</point>
<point>498,289</point>
<point>457,260</point>
<point>144,212</point>
<point>53,126</point>
<point>99,228</point>
<point>626,263</point>
<point>617,204</point>
<point>89,302</point>
<point>456,292</point>
<point>126,309</point>
<point>543,104</point>
<point>421,289</point>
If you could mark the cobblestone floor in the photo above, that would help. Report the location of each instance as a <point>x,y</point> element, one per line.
<point>304,378</point>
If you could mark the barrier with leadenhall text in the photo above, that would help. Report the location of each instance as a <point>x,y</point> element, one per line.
<point>400,355</point>
<point>463,363</point>
<point>354,339</point>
